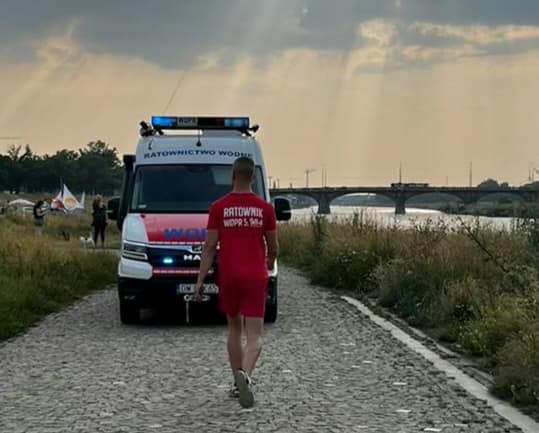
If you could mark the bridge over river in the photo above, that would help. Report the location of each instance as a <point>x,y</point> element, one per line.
<point>401,193</point>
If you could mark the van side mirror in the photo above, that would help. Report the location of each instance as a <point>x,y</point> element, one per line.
<point>113,206</point>
<point>283,210</point>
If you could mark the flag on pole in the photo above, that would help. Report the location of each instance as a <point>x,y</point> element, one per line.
<point>67,202</point>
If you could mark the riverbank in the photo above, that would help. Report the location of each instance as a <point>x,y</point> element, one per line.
<point>502,210</point>
<point>42,274</point>
<point>491,210</point>
<point>471,286</point>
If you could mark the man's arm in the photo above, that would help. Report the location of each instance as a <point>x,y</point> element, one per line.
<point>270,227</point>
<point>273,248</point>
<point>206,262</point>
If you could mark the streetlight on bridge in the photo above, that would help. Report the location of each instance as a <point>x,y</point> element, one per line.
<point>307,172</point>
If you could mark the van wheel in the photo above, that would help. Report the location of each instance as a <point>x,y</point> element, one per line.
<point>271,313</point>
<point>129,314</point>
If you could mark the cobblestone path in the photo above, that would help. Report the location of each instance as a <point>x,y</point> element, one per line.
<point>325,368</point>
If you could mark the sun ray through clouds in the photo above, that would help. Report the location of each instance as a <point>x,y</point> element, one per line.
<point>52,54</point>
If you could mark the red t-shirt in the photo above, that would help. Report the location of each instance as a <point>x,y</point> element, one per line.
<point>242,221</point>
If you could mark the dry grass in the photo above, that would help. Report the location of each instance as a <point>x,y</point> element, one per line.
<point>41,274</point>
<point>58,224</point>
<point>470,285</point>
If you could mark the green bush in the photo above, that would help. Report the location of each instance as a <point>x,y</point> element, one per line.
<point>461,300</point>
<point>405,287</point>
<point>495,325</point>
<point>517,375</point>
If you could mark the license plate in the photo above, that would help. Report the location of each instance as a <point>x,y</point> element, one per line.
<point>184,289</point>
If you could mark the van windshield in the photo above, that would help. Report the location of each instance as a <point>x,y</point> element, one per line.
<point>189,188</point>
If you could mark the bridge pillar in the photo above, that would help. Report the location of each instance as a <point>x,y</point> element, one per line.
<point>323,205</point>
<point>400,204</point>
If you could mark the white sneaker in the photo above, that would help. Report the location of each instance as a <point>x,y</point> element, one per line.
<point>247,398</point>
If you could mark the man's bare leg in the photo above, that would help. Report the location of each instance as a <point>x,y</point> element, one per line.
<point>235,351</point>
<point>253,329</point>
<point>251,352</point>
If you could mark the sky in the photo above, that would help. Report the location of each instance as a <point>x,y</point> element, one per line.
<point>352,87</point>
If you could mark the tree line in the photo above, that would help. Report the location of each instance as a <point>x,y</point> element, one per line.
<point>95,169</point>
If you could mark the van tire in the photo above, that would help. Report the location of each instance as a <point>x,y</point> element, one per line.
<point>129,314</point>
<point>271,313</point>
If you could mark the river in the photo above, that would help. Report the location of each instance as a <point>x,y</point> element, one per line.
<point>386,216</point>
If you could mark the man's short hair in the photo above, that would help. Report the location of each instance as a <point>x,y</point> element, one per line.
<point>244,168</point>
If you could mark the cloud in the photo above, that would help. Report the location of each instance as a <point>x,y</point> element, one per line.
<point>57,55</point>
<point>386,45</point>
<point>368,36</point>
<point>176,34</point>
<point>60,47</point>
<point>378,32</point>
<point>476,34</point>
<point>312,105</point>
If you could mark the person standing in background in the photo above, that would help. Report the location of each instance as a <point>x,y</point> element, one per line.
<point>39,216</point>
<point>99,219</point>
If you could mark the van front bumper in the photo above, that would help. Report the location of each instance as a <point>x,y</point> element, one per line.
<point>162,292</point>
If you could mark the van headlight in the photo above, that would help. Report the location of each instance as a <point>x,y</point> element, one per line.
<point>134,251</point>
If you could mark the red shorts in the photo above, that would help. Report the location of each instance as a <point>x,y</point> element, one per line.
<point>241,296</point>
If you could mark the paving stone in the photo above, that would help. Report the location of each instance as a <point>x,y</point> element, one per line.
<point>324,367</point>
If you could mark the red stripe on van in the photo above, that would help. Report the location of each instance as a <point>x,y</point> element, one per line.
<point>175,228</point>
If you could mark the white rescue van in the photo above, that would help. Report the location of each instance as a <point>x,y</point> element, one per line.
<point>169,185</point>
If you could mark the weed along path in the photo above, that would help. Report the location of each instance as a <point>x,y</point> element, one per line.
<point>326,367</point>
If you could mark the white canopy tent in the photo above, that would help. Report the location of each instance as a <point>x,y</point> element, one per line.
<point>20,202</point>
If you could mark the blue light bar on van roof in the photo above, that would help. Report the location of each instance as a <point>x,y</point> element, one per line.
<point>173,122</point>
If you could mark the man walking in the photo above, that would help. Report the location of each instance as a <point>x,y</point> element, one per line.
<point>244,226</point>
